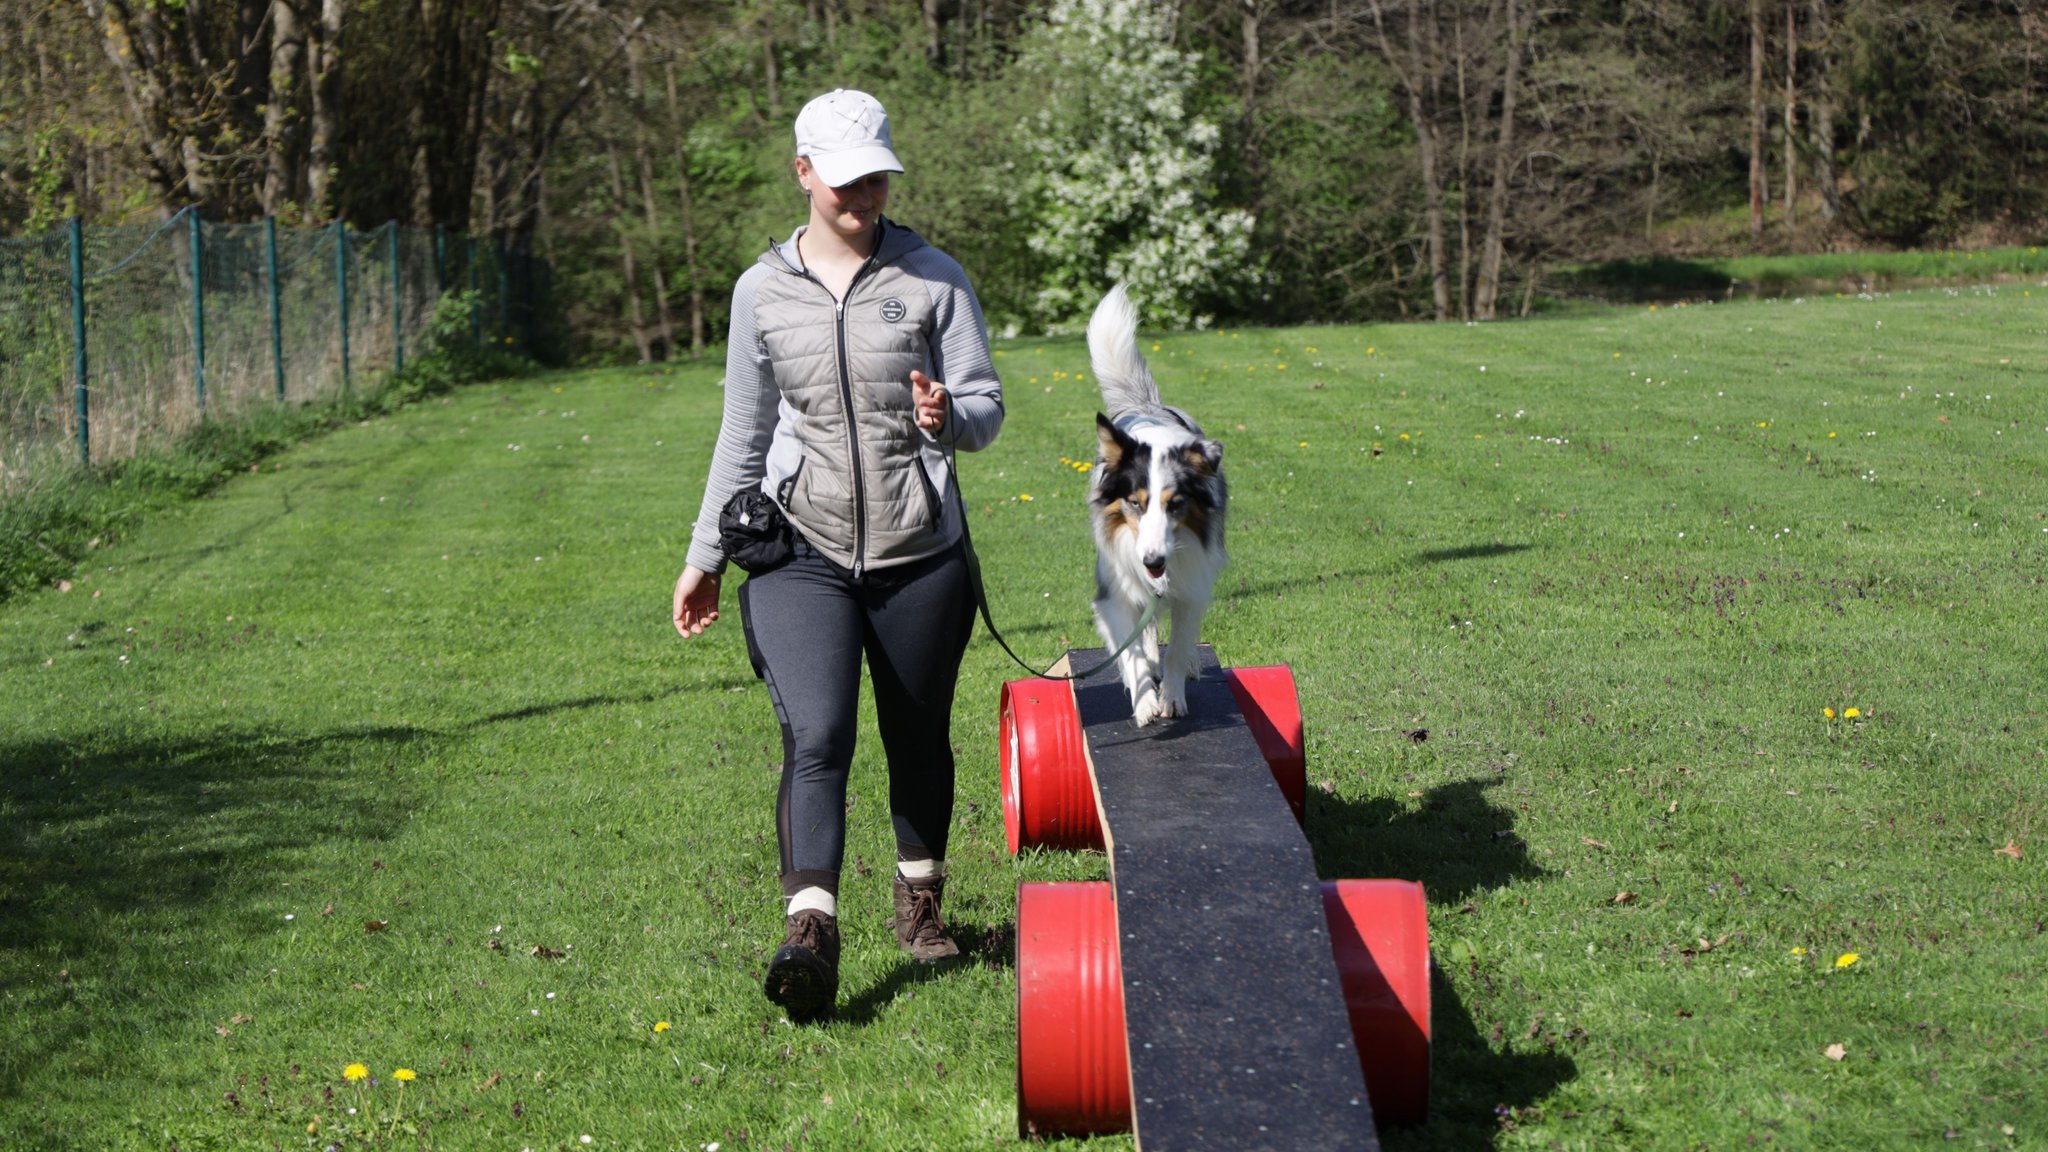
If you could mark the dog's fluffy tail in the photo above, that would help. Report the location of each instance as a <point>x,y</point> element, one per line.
<point>1120,369</point>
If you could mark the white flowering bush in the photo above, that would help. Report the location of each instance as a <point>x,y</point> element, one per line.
<point>1117,178</point>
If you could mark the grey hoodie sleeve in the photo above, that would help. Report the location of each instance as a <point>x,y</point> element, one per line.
<point>751,400</point>
<point>960,354</point>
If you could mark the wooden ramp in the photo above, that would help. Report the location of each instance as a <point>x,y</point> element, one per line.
<point>1237,1028</point>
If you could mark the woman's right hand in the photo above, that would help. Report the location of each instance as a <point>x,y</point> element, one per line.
<point>696,601</point>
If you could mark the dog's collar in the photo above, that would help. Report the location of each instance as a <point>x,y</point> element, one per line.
<point>1161,417</point>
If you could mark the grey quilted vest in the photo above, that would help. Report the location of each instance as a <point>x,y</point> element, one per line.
<point>866,487</point>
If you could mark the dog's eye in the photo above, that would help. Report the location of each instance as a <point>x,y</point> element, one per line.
<point>1176,503</point>
<point>1137,503</point>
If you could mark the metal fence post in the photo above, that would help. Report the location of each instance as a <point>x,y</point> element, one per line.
<point>440,259</point>
<point>198,311</point>
<point>81,392</point>
<point>276,305</point>
<point>397,302</point>
<point>341,282</point>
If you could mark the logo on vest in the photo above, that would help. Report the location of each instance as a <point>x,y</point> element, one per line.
<point>893,310</point>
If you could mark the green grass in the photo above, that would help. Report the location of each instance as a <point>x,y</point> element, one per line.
<point>56,512</point>
<point>1813,273</point>
<point>1615,564</point>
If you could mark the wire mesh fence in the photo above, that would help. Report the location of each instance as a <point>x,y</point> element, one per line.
<point>113,339</point>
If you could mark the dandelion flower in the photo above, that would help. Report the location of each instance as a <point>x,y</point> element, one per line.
<point>1851,713</point>
<point>661,1025</point>
<point>355,1072</point>
<point>1799,950</point>
<point>1828,712</point>
<point>1025,497</point>
<point>403,1075</point>
<point>1847,960</point>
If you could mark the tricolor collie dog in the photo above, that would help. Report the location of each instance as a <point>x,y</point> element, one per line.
<point>1158,506</point>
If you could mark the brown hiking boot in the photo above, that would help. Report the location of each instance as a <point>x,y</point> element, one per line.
<point>920,929</point>
<point>804,975</point>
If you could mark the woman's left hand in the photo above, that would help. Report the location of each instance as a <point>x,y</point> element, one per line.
<point>696,601</point>
<point>930,398</point>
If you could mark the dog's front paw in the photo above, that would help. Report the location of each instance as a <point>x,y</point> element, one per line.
<point>1147,707</point>
<point>1176,701</point>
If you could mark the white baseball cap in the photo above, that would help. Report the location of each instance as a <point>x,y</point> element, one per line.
<point>845,135</point>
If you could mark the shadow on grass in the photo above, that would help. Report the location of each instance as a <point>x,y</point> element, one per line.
<point>134,869</point>
<point>983,946</point>
<point>1457,843</point>
<point>130,870</point>
<point>722,684</point>
<point>865,1006</point>
<point>1474,1082</point>
<point>1472,552</point>
<point>1243,583</point>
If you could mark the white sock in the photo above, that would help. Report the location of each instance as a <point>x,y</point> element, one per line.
<point>921,869</point>
<point>814,899</point>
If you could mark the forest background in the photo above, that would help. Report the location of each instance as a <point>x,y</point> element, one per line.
<point>1255,161</point>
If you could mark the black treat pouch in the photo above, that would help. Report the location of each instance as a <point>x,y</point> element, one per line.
<point>753,531</point>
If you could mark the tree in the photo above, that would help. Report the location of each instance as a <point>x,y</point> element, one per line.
<point>1505,160</point>
<point>1118,177</point>
<point>65,142</point>
<point>1419,75</point>
<point>1821,103</point>
<point>1269,160</point>
<point>1947,106</point>
<point>1759,189</point>
<point>1334,190</point>
<point>179,65</point>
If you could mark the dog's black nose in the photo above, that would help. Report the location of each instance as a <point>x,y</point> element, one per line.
<point>1156,565</point>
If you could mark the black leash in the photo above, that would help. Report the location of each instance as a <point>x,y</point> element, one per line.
<point>981,602</point>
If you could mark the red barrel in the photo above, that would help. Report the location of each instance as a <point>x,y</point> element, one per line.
<point>1048,794</point>
<point>1379,933</point>
<point>1272,710</point>
<point>1073,1073</point>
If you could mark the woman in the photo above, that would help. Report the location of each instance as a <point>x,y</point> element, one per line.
<point>858,362</point>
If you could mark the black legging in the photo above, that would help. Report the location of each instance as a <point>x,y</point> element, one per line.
<point>808,623</point>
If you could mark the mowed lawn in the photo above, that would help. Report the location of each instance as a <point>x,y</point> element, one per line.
<point>388,753</point>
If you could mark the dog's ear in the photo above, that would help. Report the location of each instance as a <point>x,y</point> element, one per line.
<point>1205,457</point>
<point>1114,442</point>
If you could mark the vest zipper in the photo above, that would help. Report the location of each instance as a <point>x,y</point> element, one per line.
<point>860,492</point>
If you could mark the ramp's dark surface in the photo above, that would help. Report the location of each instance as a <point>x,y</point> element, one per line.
<point>1238,1033</point>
